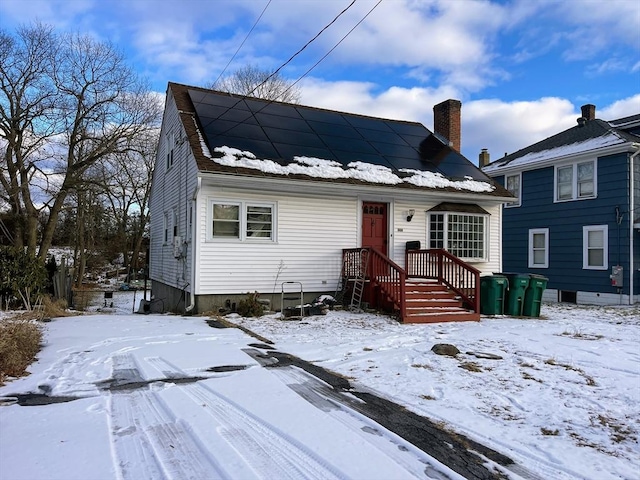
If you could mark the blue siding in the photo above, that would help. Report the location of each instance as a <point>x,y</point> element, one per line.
<point>565,221</point>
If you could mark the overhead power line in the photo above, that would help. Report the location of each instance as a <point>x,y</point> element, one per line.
<point>269,102</point>
<point>243,42</point>
<point>275,72</point>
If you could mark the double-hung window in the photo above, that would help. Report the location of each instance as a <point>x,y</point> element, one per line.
<point>165,227</point>
<point>169,144</point>
<point>575,181</point>
<point>595,247</point>
<point>539,248</point>
<point>461,234</point>
<point>242,220</point>
<point>513,184</point>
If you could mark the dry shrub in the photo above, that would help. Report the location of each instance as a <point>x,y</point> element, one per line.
<point>20,341</point>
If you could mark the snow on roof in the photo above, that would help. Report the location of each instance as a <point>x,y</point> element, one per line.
<point>579,147</point>
<point>320,168</point>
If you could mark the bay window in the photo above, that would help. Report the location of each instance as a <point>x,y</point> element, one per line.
<point>461,234</point>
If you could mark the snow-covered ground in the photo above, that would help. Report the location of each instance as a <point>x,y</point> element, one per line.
<point>562,401</point>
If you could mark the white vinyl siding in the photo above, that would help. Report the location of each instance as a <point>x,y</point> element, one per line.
<point>539,248</point>
<point>576,181</point>
<point>309,234</point>
<point>171,193</point>
<point>595,247</point>
<point>514,185</point>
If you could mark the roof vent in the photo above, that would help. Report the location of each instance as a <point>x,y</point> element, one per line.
<point>582,122</point>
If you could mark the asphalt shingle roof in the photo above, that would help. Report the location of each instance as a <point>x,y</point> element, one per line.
<point>279,132</point>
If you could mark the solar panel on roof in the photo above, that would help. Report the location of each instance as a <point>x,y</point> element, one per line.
<point>398,150</point>
<point>290,151</point>
<point>281,132</point>
<point>378,136</point>
<point>273,109</point>
<point>456,166</point>
<point>291,137</point>
<point>402,128</point>
<point>347,157</point>
<point>369,123</point>
<point>322,116</point>
<point>347,144</point>
<point>287,123</point>
<point>333,129</point>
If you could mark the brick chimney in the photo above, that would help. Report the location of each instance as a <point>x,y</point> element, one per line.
<point>589,112</point>
<point>446,121</point>
<point>483,158</point>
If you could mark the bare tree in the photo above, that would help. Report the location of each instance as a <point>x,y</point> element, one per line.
<point>67,102</point>
<point>253,81</point>
<point>27,120</point>
<point>125,182</point>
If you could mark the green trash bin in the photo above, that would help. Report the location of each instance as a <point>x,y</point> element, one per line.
<point>492,294</point>
<point>518,283</point>
<point>533,295</point>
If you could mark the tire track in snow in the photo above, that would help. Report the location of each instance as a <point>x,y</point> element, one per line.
<point>147,441</point>
<point>331,402</point>
<point>263,447</point>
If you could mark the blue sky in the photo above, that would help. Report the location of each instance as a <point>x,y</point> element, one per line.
<point>522,68</point>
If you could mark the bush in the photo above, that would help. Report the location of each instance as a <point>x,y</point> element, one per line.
<point>21,276</point>
<point>20,341</point>
<point>251,306</point>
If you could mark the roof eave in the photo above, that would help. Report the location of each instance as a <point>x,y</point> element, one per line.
<point>326,187</point>
<point>573,157</point>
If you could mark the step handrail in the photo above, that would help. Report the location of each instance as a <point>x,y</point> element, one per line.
<point>439,264</point>
<point>383,274</point>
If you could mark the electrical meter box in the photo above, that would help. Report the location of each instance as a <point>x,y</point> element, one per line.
<point>616,276</point>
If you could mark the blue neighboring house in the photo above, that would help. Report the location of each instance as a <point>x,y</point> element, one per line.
<point>576,219</point>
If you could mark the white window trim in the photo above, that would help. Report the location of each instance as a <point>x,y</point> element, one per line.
<point>518,202</point>
<point>585,244</point>
<point>538,231</point>
<point>485,257</point>
<point>170,142</point>
<point>166,228</point>
<point>174,224</point>
<point>574,181</point>
<point>242,204</point>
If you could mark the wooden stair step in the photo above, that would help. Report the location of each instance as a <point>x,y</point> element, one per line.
<point>450,316</point>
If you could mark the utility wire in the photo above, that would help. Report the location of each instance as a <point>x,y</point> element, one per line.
<point>334,47</point>
<point>243,42</point>
<point>305,46</point>
<point>243,97</point>
<point>269,102</point>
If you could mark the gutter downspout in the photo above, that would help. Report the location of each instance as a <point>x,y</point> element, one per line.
<point>631,216</point>
<point>194,242</point>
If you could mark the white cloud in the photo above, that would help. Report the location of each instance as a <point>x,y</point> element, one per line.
<point>621,108</point>
<point>500,126</point>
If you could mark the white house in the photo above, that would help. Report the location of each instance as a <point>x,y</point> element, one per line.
<point>249,193</point>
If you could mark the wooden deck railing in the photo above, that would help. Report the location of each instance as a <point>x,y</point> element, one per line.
<point>448,269</point>
<point>390,280</point>
<point>382,273</point>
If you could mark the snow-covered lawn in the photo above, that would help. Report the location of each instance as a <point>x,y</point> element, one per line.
<point>564,397</point>
<point>163,396</point>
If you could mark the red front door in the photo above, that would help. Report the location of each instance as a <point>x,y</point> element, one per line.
<point>374,226</point>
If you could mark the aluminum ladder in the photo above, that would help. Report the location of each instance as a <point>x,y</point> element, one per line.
<point>359,281</point>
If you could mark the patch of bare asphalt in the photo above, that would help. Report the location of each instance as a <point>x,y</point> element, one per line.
<point>463,455</point>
